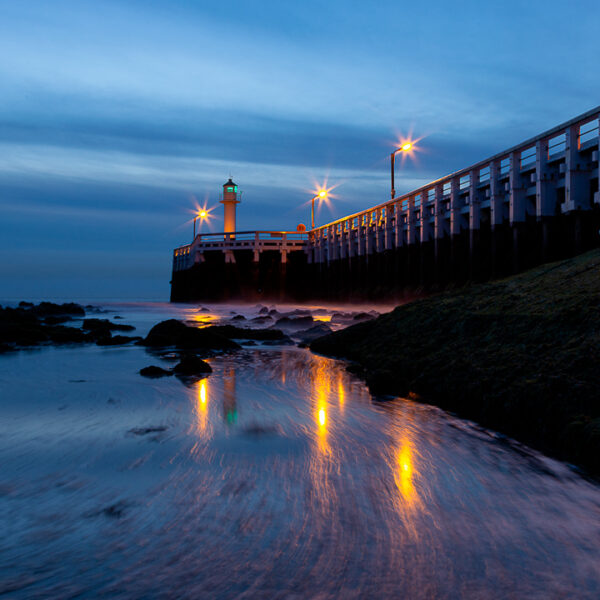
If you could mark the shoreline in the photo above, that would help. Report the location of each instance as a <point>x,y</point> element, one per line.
<point>519,356</point>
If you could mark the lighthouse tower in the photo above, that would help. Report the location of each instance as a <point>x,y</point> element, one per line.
<point>230,199</point>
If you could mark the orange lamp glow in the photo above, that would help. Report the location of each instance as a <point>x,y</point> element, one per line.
<point>406,147</point>
<point>202,214</point>
<point>322,193</point>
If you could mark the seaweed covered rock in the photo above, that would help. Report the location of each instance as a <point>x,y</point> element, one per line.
<point>175,333</point>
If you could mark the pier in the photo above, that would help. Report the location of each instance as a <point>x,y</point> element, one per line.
<point>532,203</point>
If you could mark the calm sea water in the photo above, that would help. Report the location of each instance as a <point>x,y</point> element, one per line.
<point>278,476</point>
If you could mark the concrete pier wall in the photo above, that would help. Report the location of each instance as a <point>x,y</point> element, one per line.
<point>533,203</point>
<point>392,274</point>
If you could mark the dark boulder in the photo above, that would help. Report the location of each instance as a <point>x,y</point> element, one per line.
<point>261,320</point>
<point>104,325</point>
<point>60,334</point>
<point>24,304</point>
<point>116,340</point>
<point>340,317</point>
<point>154,372</point>
<point>363,316</point>
<point>308,335</point>
<point>294,322</point>
<point>192,366</point>
<point>285,340</point>
<point>242,333</point>
<point>238,318</point>
<point>57,319</point>
<point>44,309</point>
<point>176,333</point>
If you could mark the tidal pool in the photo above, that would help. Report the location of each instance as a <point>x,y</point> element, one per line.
<point>278,476</point>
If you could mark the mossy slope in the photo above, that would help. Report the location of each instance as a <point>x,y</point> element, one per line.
<point>520,355</point>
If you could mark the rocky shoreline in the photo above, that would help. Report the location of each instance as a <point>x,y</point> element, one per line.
<point>29,325</point>
<point>520,355</point>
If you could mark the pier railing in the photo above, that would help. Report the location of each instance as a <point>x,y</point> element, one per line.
<point>255,241</point>
<point>556,171</point>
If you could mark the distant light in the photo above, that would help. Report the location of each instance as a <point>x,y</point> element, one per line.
<point>406,147</point>
<point>322,193</point>
<point>202,214</point>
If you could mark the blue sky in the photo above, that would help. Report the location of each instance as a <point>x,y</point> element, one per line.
<point>114,116</point>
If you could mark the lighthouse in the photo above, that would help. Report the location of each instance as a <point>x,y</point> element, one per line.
<point>229,201</point>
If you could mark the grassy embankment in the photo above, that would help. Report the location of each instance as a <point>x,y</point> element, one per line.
<point>520,355</point>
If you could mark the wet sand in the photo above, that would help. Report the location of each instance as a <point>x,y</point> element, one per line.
<point>278,476</point>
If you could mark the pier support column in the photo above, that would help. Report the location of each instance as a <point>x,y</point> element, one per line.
<point>517,208</point>
<point>577,187</point>
<point>545,198</point>
<point>496,214</point>
<point>474,225</point>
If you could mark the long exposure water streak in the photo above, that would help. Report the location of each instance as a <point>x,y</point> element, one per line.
<point>278,475</point>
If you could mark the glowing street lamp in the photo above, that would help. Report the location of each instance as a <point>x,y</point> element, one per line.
<point>405,147</point>
<point>321,196</point>
<point>201,215</point>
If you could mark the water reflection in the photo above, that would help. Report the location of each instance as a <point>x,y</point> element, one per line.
<point>405,464</point>
<point>229,395</point>
<point>315,490</point>
<point>202,427</point>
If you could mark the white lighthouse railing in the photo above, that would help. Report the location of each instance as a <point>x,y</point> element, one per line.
<point>256,241</point>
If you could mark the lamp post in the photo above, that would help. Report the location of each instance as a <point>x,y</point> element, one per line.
<point>322,194</point>
<point>406,147</point>
<point>201,215</point>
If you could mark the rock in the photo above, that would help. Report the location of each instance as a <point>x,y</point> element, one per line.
<point>66,335</point>
<point>117,317</point>
<point>154,372</point>
<point>49,308</point>
<point>285,340</point>
<point>192,365</point>
<point>242,333</point>
<point>340,317</point>
<point>24,304</point>
<point>363,316</point>
<point>116,340</point>
<point>104,325</point>
<point>261,320</point>
<point>176,333</point>
<point>291,323</point>
<point>238,318</point>
<point>263,311</point>
<point>308,335</point>
<point>57,320</point>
